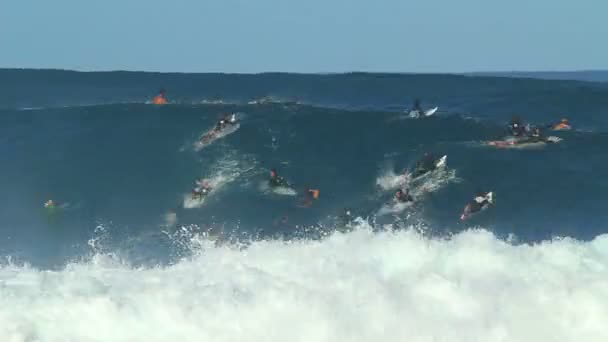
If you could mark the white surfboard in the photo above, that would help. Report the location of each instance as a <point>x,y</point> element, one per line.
<point>285,191</point>
<point>211,136</point>
<point>490,197</point>
<point>467,214</point>
<point>519,144</point>
<point>439,165</point>
<point>442,161</point>
<point>431,111</point>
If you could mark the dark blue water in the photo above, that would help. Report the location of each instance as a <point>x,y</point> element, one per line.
<point>89,142</point>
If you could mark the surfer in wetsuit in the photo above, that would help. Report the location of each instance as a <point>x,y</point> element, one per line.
<point>201,190</point>
<point>53,211</point>
<point>417,106</point>
<point>160,99</point>
<point>516,127</point>
<point>49,204</point>
<point>225,121</point>
<point>424,165</point>
<point>417,111</point>
<point>564,124</point>
<point>221,124</point>
<point>347,217</point>
<point>345,221</point>
<point>310,195</point>
<point>535,136</point>
<point>276,180</point>
<point>403,196</point>
<point>482,199</point>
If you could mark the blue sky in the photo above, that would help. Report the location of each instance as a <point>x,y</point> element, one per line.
<point>305,36</point>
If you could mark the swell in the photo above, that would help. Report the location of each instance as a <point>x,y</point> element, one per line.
<point>129,166</point>
<point>483,97</point>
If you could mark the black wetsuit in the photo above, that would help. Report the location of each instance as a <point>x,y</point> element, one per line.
<point>536,136</point>
<point>425,165</point>
<point>346,218</point>
<point>277,181</point>
<point>417,110</point>
<point>475,206</point>
<point>403,197</point>
<point>223,123</point>
<point>201,192</point>
<point>417,107</point>
<point>517,129</point>
<point>220,125</point>
<point>345,221</point>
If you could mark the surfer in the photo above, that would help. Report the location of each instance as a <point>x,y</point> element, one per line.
<point>516,127</point>
<point>564,124</point>
<point>201,190</point>
<point>345,221</point>
<point>53,210</point>
<point>481,201</point>
<point>425,165</point>
<point>402,196</point>
<point>313,193</point>
<point>225,121</point>
<point>276,180</point>
<point>216,131</point>
<point>49,204</point>
<point>535,136</point>
<point>160,99</point>
<point>347,217</point>
<point>310,195</point>
<point>417,111</point>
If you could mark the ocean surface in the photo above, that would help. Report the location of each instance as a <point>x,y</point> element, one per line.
<point>123,256</point>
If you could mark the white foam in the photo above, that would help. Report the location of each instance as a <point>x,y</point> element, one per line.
<point>223,172</point>
<point>388,180</point>
<point>433,181</point>
<point>418,188</point>
<point>264,186</point>
<point>358,286</point>
<point>393,207</point>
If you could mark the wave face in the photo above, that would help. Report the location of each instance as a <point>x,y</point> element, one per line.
<point>126,242</point>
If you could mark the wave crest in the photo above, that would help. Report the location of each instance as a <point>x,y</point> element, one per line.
<point>357,286</point>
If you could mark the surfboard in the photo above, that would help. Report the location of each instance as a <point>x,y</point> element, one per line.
<point>490,197</point>
<point>413,114</point>
<point>211,136</point>
<point>439,164</point>
<point>442,161</point>
<point>554,139</point>
<point>285,191</point>
<point>466,214</point>
<point>521,143</point>
<point>431,111</point>
<point>501,143</point>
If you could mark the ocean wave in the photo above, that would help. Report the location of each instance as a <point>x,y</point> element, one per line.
<point>357,286</point>
<point>131,165</point>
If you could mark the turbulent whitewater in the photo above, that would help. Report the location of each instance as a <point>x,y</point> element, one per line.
<point>359,286</point>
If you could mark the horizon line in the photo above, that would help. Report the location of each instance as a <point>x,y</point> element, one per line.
<point>313,73</point>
